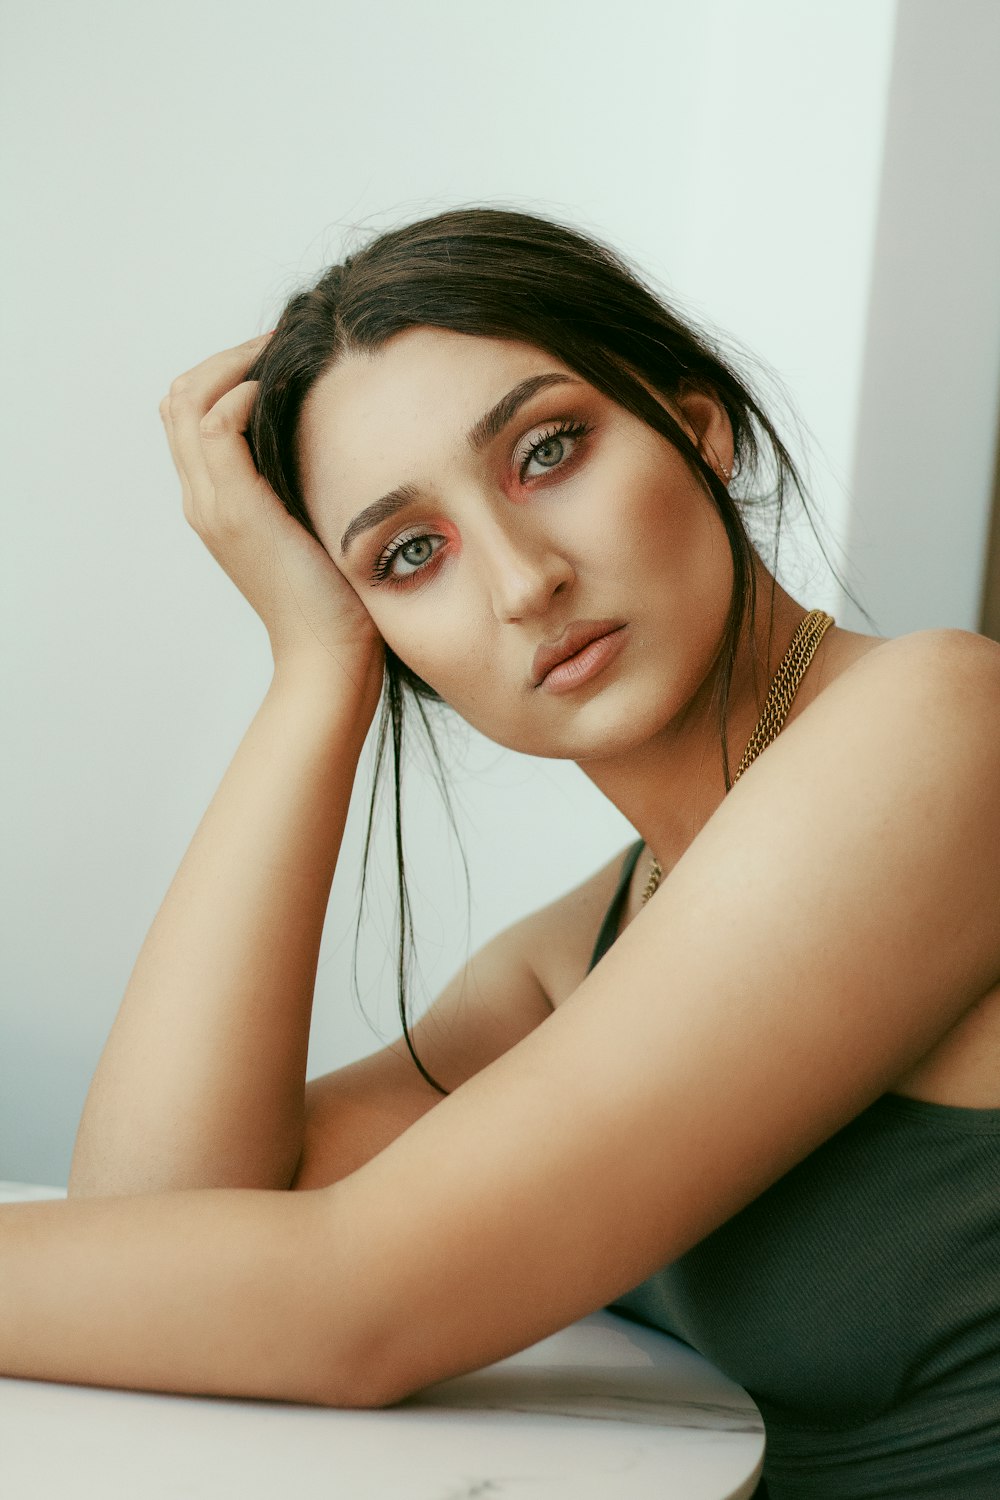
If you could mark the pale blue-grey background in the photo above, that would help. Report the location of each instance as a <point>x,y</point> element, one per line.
<point>819,180</point>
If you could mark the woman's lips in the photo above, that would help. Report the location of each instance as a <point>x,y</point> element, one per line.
<point>584,663</point>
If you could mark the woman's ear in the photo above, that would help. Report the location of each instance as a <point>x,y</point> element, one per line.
<point>704,419</point>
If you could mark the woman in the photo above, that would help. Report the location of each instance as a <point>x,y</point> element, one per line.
<point>741,1083</point>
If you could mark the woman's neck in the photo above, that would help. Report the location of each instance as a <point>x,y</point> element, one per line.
<point>670,786</point>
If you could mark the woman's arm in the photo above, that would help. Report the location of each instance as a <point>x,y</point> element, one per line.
<point>217,1292</point>
<point>239,1292</point>
<point>201,1082</point>
<point>830,923</point>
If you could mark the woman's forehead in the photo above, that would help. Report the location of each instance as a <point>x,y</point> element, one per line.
<point>410,402</point>
<point>427,364</point>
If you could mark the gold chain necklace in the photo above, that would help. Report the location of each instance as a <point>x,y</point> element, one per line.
<point>784,684</point>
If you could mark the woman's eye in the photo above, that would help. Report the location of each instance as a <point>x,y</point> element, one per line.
<point>413,552</point>
<point>549,453</point>
<point>416,551</point>
<point>550,450</point>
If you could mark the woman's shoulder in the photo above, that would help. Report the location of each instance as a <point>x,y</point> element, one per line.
<point>947,665</point>
<point>935,692</point>
<point>921,677</point>
<point>948,645</point>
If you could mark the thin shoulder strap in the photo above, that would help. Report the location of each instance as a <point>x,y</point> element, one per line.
<point>609,927</point>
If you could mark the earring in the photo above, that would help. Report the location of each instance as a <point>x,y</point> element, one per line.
<point>723,473</point>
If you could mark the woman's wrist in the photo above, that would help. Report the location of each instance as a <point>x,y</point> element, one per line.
<point>349,683</point>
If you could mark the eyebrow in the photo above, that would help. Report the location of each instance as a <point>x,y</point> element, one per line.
<point>478,437</point>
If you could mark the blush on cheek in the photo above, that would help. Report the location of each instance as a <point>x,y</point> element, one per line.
<point>516,492</point>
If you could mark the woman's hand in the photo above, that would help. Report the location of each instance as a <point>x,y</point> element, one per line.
<point>312,615</point>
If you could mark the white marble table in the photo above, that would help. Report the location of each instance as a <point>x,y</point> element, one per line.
<point>603,1410</point>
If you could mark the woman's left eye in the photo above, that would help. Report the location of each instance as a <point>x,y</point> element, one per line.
<point>549,449</point>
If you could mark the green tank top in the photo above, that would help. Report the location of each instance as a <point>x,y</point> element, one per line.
<point>857,1299</point>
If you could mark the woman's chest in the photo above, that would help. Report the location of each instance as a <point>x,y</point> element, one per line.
<point>863,1275</point>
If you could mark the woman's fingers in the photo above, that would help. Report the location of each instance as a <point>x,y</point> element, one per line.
<point>190,397</point>
<point>225,454</point>
<point>168,427</point>
<point>205,382</point>
<point>308,607</point>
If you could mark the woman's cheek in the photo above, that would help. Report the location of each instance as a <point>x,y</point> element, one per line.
<point>413,621</point>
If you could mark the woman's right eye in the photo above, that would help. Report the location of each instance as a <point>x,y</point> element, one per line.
<point>416,551</point>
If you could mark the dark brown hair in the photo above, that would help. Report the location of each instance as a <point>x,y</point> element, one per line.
<point>506,274</point>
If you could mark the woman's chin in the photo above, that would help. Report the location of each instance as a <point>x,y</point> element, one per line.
<point>588,736</point>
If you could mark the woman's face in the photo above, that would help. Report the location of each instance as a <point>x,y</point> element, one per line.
<point>482,499</point>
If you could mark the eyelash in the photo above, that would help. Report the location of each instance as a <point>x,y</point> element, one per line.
<point>381,571</point>
<point>559,428</point>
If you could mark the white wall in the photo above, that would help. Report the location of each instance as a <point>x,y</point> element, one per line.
<point>170,175</point>
<point>930,392</point>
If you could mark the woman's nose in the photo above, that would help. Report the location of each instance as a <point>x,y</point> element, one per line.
<point>524,570</point>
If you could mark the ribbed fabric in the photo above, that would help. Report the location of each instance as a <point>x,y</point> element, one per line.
<point>858,1301</point>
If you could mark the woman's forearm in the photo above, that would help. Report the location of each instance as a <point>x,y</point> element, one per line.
<point>201,1082</point>
<point>223,1292</point>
